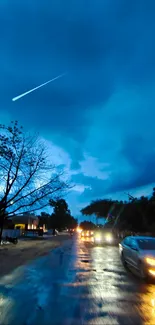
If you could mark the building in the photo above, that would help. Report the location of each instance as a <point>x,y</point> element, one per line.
<point>25,221</point>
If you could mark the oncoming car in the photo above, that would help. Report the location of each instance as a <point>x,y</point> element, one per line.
<point>103,238</point>
<point>139,253</point>
<point>87,233</point>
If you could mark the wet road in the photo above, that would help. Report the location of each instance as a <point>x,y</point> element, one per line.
<point>76,284</point>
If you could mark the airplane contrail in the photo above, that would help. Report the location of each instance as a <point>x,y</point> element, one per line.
<point>31,90</point>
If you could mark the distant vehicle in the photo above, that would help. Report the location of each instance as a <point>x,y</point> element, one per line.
<point>87,233</point>
<point>71,232</point>
<point>139,253</point>
<point>103,238</point>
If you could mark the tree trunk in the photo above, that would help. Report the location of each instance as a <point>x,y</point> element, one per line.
<point>1,226</point>
<point>2,218</point>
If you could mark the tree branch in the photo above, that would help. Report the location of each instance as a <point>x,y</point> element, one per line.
<point>35,201</point>
<point>34,191</point>
<point>25,184</point>
<point>24,161</point>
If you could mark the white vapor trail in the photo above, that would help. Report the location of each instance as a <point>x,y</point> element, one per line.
<point>31,90</point>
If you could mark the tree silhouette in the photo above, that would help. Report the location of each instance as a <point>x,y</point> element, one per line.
<point>87,225</point>
<point>61,216</point>
<point>137,214</point>
<point>28,179</point>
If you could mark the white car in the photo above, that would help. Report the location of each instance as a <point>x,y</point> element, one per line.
<point>139,253</point>
<point>103,238</point>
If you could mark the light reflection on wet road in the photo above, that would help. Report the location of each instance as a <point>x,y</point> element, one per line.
<point>76,284</point>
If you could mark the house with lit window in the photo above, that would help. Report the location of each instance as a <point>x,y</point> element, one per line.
<point>25,221</point>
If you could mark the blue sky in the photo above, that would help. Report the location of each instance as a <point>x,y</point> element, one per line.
<point>99,118</point>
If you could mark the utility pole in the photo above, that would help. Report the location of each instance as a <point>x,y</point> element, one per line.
<point>130,196</point>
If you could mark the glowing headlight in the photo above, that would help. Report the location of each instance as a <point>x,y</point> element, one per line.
<point>109,238</point>
<point>152,272</point>
<point>98,238</point>
<point>150,261</point>
<point>92,232</point>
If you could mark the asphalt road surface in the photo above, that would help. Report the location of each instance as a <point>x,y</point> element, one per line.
<point>76,284</point>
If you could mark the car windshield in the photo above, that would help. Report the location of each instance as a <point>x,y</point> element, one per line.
<point>146,244</point>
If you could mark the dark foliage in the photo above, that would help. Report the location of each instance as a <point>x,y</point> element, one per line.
<point>87,225</point>
<point>137,214</point>
<point>61,217</point>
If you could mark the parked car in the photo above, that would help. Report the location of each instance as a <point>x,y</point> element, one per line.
<point>12,240</point>
<point>139,253</point>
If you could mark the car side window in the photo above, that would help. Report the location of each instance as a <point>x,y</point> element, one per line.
<point>133,244</point>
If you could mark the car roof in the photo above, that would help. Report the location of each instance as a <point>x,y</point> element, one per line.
<point>140,237</point>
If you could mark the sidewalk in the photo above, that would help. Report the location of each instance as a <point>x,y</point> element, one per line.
<point>12,256</point>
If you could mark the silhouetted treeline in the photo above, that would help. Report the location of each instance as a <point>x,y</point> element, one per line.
<point>137,214</point>
<point>87,225</point>
<point>60,218</point>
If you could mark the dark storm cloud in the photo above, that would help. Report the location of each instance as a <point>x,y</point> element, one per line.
<point>93,186</point>
<point>91,43</point>
<point>75,165</point>
<point>44,41</point>
<point>138,153</point>
<point>108,50</point>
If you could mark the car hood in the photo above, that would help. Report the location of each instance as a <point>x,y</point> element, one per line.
<point>148,253</point>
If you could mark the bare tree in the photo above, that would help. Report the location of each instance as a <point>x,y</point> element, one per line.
<point>27,178</point>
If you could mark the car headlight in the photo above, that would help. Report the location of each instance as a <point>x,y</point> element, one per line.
<point>150,261</point>
<point>109,238</point>
<point>98,238</point>
<point>152,272</point>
